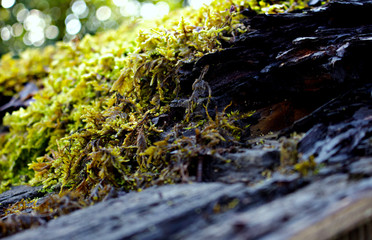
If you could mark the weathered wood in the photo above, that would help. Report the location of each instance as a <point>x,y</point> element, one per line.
<point>218,211</point>
<point>307,71</point>
<point>17,194</point>
<point>299,215</point>
<point>301,60</point>
<point>344,217</point>
<point>156,213</point>
<point>344,131</point>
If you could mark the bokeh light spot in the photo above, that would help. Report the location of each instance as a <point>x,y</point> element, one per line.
<point>18,7</point>
<point>17,29</point>
<point>162,8</point>
<point>120,3</point>
<point>131,9</point>
<point>36,36</point>
<point>51,32</point>
<point>93,23</point>
<point>35,20</point>
<point>198,3</point>
<point>7,3</point>
<point>26,40</point>
<point>73,26</point>
<point>25,23</point>
<point>151,11</point>
<point>79,8</point>
<point>22,15</point>
<point>103,13</point>
<point>6,33</point>
<point>148,10</point>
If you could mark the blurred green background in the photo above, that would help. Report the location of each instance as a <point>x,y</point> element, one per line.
<point>36,23</point>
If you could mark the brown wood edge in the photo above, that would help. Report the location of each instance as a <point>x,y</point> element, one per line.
<point>348,216</point>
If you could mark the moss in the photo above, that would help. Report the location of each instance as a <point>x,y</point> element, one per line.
<point>90,123</point>
<point>33,65</point>
<point>307,167</point>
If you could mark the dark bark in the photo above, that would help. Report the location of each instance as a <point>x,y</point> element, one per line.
<point>305,72</point>
<point>297,60</point>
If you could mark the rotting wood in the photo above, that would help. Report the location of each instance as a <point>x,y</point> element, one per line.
<point>297,60</point>
<point>287,67</point>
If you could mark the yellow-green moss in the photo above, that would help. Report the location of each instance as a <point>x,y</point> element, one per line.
<point>90,122</point>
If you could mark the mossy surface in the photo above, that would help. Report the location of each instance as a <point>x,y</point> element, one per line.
<point>91,123</point>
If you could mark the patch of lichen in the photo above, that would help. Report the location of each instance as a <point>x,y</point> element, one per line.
<point>90,123</point>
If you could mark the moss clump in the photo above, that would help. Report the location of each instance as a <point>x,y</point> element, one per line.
<point>307,167</point>
<point>91,122</point>
<point>33,65</point>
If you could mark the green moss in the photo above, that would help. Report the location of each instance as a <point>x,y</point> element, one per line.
<point>308,166</point>
<point>90,123</point>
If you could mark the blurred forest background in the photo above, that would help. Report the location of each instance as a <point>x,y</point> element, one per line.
<point>36,23</point>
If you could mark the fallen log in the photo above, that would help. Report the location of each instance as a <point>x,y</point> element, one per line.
<point>302,72</point>
<point>322,210</point>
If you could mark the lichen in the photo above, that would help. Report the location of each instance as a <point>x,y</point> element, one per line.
<point>90,124</point>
